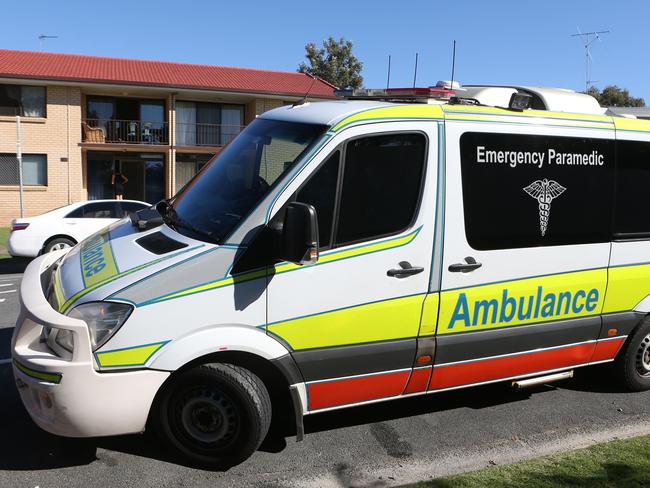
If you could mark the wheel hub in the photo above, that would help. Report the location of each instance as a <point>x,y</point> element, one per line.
<point>208,417</point>
<point>643,356</point>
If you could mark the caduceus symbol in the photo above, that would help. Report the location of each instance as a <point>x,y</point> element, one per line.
<point>544,191</point>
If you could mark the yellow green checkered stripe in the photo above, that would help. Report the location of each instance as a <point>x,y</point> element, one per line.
<point>325,258</point>
<point>39,375</point>
<point>128,356</point>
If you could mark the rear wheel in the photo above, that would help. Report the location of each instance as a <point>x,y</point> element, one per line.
<point>633,362</point>
<point>57,244</point>
<point>215,415</point>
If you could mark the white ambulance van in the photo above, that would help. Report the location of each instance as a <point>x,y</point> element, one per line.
<point>348,252</point>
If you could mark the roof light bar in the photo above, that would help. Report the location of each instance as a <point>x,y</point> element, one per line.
<point>426,93</point>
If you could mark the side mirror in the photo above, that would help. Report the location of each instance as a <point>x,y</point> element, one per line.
<point>299,238</point>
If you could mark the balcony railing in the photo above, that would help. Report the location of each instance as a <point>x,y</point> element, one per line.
<point>205,134</point>
<point>125,131</point>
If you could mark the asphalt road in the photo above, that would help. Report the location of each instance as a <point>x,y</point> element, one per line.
<point>379,445</point>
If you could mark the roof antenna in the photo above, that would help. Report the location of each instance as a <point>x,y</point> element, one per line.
<point>588,38</point>
<point>41,38</point>
<point>304,99</point>
<point>388,80</point>
<point>415,73</point>
<point>453,65</point>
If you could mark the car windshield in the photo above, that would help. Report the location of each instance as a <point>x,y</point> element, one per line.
<point>231,185</point>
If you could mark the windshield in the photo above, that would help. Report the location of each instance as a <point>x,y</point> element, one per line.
<point>231,185</point>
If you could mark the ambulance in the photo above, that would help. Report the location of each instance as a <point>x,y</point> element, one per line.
<point>393,244</point>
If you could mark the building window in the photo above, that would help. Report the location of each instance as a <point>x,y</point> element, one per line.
<point>34,169</point>
<point>524,190</point>
<point>187,166</point>
<point>207,124</point>
<point>26,101</point>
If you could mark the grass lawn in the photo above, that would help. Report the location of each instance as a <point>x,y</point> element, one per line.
<point>624,463</point>
<point>4,235</point>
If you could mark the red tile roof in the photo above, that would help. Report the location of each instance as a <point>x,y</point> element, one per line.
<point>93,69</point>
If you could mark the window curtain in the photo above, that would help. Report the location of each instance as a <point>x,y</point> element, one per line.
<point>185,170</point>
<point>185,123</point>
<point>231,122</point>
<point>33,101</point>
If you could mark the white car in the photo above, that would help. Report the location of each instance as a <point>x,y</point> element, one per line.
<point>65,226</point>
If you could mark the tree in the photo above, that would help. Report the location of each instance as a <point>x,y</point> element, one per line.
<point>613,96</point>
<point>334,63</point>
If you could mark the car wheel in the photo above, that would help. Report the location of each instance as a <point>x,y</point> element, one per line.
<point>57,244</point>
<point>632,364</point>
<point>215,415</point>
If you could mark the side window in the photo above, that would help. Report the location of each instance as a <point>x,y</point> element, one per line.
<point>128,207</point>
<point>632,208</point>
<point>320,191</point>
<point>100,210</point>
<point>77,213</point>
<point>381,186</point>
<point>530,190</point>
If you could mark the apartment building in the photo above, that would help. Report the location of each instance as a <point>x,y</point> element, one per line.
<point>82,118</point>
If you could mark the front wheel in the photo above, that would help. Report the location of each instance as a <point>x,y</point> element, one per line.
<point>215,415</point>
<point>632,365</point>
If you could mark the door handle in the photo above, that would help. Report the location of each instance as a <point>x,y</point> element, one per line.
<point>469,265</point>
<point>404,271</point>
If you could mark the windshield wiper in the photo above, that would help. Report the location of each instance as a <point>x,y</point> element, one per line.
<point>171,218</point>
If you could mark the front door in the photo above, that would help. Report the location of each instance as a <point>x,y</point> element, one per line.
<point>526,250</point>
<point>352,320</point>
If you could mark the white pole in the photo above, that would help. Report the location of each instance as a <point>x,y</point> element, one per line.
<point>19,156</point>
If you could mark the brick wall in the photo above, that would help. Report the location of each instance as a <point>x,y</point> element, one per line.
<point>58,136</point>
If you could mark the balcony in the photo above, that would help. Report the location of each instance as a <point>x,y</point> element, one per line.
<point>112,131</point>
<point>206,134</point>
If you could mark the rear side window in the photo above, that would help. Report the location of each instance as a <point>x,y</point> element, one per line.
<point>632,206</point>
<point>381,186</point>
<point>97,210</point>
<point>529,190</point>
<point>128,207</point>
<point>320,191</point>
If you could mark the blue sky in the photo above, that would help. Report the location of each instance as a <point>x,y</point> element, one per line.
<point>498,41</point>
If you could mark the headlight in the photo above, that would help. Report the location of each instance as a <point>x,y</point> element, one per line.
<point>103,319</point>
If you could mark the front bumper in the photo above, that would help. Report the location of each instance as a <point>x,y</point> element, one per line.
<point>68,396</point>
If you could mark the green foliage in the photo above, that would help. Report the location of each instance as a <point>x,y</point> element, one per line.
<point>4,235</point>
<point>334,62</point>
<point>613,96</point>
<point>612,464</point>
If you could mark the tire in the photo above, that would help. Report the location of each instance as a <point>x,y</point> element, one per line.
<point>58,243</point>
<point>632,365</point>
<point>214,416</point>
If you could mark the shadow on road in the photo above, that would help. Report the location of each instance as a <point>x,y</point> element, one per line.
<point>13,265</point>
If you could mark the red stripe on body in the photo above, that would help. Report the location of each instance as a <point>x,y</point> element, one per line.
<point>505,367</point>
<point>354,390</point>
<point>607,349</point>
<point>419,380</point>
